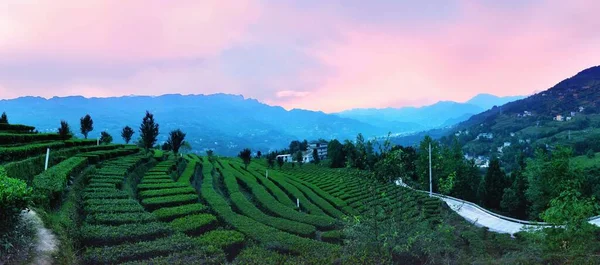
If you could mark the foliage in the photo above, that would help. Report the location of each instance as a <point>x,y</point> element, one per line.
<point>280,162</point>
<point>49,186</point>
<point>104,235</point>
<point>494,183</point>
<point>194,224</point>
<point>514,201</point>
<point>548,175</point>
<point>15,196</point>
<point>64,130</point>
<point>148,131</point>
<point>127,133</point>
<point>246,156</point>
<point>3,118</point>
<point>335,152</point>
<point>169,213</point>
<point>86,125</point>
<point>258,154</point>
<point>447,183</point>
<point>175,140</point>
<point>105,138</point>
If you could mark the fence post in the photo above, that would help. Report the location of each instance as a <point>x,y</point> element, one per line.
<point>47,157</point>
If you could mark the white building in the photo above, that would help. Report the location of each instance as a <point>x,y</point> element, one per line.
<point>559,118</point>
<point>485,135</point>
<point>321,149</point>
<point>286,158</point>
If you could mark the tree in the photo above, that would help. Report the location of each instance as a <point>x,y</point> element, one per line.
<point>87,125</point>
<point>176,139</point>
<point>514,201</point>
<point>166,146</point>
<point>210,155</point>
<point>422,163</point>
<point>127,133</point>
<point>3,118</point>
<point>390,167</point>
<point>280,162</point>
<point>148,131</point>
<point>105,138</point>
<point>299,157</point>
<point>258,154</point>
<point>64,130</point>
<point>548,175</point>
<point>316,158</point>
<point>494,183</point>
<point>335,152</point>
<point>246,156</point>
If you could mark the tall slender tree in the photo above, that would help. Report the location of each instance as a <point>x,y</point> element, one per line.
<point>316,158</point>
<point>280,162</point>
<point>64,130</point>
<point>176,139</point>
<point>127,133</point>
<point>148,131</point>
<point>246,156</point>
<point>3,118</point>
<point>87,125</point>
<point>494,183</point>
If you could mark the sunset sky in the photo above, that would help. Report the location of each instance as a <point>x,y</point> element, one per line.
<point>311,54</point>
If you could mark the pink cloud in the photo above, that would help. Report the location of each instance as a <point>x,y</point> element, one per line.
<point>123,30</point>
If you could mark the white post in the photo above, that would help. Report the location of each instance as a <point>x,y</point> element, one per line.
<point>47,157</point>
<point>267,174</point>
<point>297,202</point>
<point>430,182</point>
<point>97,141</point>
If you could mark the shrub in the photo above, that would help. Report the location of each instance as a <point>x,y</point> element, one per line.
<point>107,235</point>
<point>106,195</point>
<point>137,251</point>
<point>114,208</point>
<point>190,168</point>
<point>165,192</point>
<point>16,128</point>
<point>203,256</point>
<point>161,186</point>
<point>14,197</point>
<point>110,202</point>
<point>120,218</point>
<point>334,236</point>
<point>10,138</point>
<point>169,201</point>
<point>170,213</point>
<point>223,239</point>
<point>194,224</point>
<point>49,186</point>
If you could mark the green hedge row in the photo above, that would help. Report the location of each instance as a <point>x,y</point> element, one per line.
<point>14,153</point>
<point>171,185</point>
<point>137,251</point>
<point>264,234</point>
<point>16,128</point>
<point>194,224</point>
<point>14,138</point>
<point>189,171</point>
<point>247,208</point>
<point>97,235</point>
<point>156,181</point>
<point>49,186</point>
<point>101,185</point>
<point>318,200</point>
<point>120,218</point>
<point>110,202</point>
<point>279,194</point>
<point>333,236</point>
<point>166,192</point>
<point>114,208</point>
<point>171,213</point>
<point>223,239</point>
<point>106,195</point>
<point>169,201</point>
<point>268,202</point>
<point>304,202</point>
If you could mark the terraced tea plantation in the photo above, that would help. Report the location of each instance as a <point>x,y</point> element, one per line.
<point>129,206</point>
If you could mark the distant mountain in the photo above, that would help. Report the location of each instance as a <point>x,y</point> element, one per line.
<point>567,114</point>
<point>412,119</point>
<point>487,101</point>
<point>225,123</point>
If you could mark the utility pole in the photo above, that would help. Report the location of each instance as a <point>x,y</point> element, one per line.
<point>47,157</point>
<point>430,182</point>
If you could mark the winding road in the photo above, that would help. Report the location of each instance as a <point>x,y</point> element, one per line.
<point>484,218</point>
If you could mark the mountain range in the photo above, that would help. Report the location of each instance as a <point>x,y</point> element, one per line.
<point>441,114</point>
<point>227,123</point>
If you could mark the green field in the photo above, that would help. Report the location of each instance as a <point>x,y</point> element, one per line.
<point>154,208</point>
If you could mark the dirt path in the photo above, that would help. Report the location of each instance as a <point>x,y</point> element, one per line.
<point>46,244</point>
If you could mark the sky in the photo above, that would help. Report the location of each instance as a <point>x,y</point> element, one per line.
<point>309,54</point>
